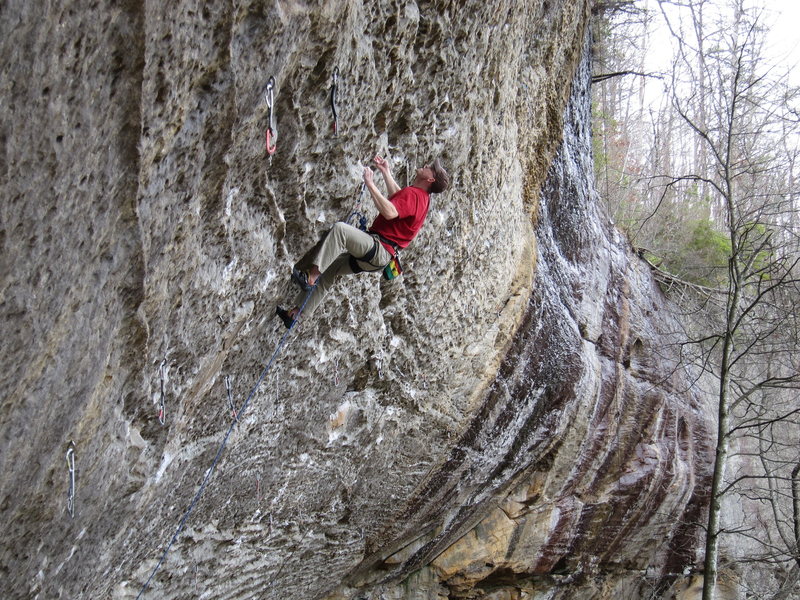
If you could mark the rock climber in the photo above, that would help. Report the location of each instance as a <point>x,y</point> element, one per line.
<point>346,250</point>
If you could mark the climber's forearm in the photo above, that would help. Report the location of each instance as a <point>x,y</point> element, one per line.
<point>391,184</point>
<point>385,208</point>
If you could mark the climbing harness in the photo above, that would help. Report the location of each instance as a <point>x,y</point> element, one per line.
<point>272,133</point>
<point>354,260</point>
<point>229,391</point>
<point>162,409</point>
<point>358,210</point>
<point>71,490</point>
<point>391,270</point>
<point>334,94</point>
<point>210,470</point>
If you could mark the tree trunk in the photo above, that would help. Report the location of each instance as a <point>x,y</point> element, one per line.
<point>714,512</point>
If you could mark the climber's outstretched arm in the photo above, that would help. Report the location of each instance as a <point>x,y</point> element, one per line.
<point>384,168</point>
<point>385,208</point>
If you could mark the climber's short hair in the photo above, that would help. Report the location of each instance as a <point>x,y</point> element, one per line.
<point>442,178</point>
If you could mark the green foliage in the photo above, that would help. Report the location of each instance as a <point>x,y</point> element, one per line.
<point>601,122</point>
<point>710,248</point>
<point>697,252</point>
<point>713,245</point>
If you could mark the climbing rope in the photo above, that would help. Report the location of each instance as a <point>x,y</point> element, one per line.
<point>210,470</point>
<point>334,93</point>
<point>71,490</point>
<point>272,133</point>
<point>358,210</point>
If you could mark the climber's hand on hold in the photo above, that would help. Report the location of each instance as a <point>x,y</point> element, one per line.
<point>382,164</point>
<point>369,177</point>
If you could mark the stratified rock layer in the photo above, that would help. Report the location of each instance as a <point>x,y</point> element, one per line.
<point>505,421</point>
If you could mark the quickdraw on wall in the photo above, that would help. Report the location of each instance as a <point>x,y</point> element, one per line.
<point>272,132</point>
<point>162,406</point>
<point>71,489</point>
<point>334,95</point>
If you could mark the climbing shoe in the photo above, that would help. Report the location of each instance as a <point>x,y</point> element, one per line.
<point>288,321</point>
<point>301,279</point>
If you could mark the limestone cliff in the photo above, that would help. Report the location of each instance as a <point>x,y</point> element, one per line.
<point>505,421</point>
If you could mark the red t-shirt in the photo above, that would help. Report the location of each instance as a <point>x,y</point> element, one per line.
<point>412,207</point>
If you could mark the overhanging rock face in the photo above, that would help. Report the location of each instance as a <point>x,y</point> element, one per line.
<point>506,420</point>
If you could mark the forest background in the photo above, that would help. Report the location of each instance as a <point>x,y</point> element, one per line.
<point>696,111</point>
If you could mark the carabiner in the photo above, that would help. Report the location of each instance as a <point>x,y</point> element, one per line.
<point>162,407</point>
<point>71,490</point>
<point>334,94</point>
<point>272,134</point>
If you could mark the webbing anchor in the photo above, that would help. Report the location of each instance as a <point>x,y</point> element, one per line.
<point>71,490</point>
<point>334,93</point>
<point>162,407</point>
<point>272,134</point>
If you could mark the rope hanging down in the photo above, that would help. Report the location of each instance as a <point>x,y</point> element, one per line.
<point>210,470</point>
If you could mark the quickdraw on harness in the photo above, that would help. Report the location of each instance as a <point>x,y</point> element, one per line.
<point>162,407</point>
<point>71,490</point>
<point>334,91</point>
<point>272,133</point>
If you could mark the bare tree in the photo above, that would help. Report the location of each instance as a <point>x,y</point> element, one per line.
<point>734,110</point>
<point>714,200</point>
